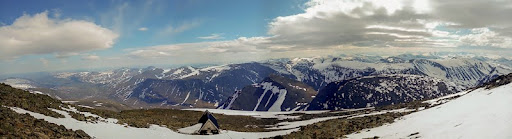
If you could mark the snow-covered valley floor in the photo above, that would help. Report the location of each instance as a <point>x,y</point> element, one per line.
<point>480,114</point>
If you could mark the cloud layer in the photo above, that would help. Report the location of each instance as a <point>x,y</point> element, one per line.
<point>398,23</point>
<point>368,26</point>
<point>40,34</point>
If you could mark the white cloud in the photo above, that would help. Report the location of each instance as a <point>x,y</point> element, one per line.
<point>327,23</point>
<point>486,37</point>
<point>143,29</point>
<point>329,26</point>
<point>241,49</point>
<point>154,51</point>
<point>172,30</point>
<point>398,23</point>
<point>214,36</point>
<point>44,61</point>
<point>39,34</point>
<point>91,57</point>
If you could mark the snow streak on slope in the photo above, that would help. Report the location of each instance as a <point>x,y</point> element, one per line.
<point>230,101</point>
<point>275,93</point>
<point>281,93</point>
<point>479,114</point>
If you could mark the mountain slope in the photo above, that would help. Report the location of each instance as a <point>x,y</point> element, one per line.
<point>204,87</point>
<point>482,113</point>
<point>15,125</point>
<point>462,71</point>
<point>275,93</point>
<point>380,90</point>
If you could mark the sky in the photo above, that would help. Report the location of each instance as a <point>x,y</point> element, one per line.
<point>58,35</point>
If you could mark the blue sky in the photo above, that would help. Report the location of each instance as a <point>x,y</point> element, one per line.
<point>230,18</point>
<point>58,35</point>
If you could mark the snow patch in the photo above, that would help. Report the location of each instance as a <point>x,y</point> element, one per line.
<point>109,129</point>
<point>478,114</point>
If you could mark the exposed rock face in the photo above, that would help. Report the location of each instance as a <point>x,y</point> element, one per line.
<point>498,81</point>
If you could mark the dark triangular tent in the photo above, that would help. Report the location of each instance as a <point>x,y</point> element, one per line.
<point>209,124</point>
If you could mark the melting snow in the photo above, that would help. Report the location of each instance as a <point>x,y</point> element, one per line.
<point>276,106</point>
<point>192,72</point>
<point>280,99</point>
<point>191,129</point>
<point>178,71</point>
<point>296,124</point>
<point>109,129</point>
<point>258,114</point>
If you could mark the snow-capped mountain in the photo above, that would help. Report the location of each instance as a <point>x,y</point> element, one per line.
<point>275,93</point>
<point>462,71</point>
<point>370,91</point>
<point>110,78</point>
<point>209,86</point>
<point>20,83</point>
<point>318,72</point>
<point>480,113</point>
<point>188,86</point>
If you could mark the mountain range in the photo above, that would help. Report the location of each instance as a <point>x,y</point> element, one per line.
<point>215,86</point>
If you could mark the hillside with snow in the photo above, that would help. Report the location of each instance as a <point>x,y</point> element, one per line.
<point>481,113</point>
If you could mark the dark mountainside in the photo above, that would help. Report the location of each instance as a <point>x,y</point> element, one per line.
<point>379,90</point>
<point>286,94</point>
<point>204,89</point>
<point>498,81</point>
